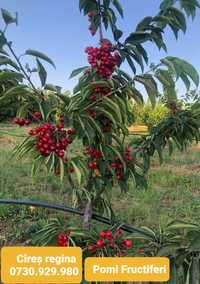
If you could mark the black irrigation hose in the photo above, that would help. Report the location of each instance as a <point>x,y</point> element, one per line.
<point>96,217</point>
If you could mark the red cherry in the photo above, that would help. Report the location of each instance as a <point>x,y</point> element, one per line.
<point>71,131</point>
<point>37,115</point>
<point>114,165</point>
<point>128,244</point>
<point>129,158</point>
<point>71,169</point>
<point>52,148</point>
<point>61,154</point>
<point>46,153</point>
<point>90,14</point>
<point>100,244</point>
<point>32,132</point>
<point>103,234</point>
<point>92,248</point>
<point>109,235</point>
<point>62,240</point>
<point>57,171</point>
<point>27,122</point>
<point>46,146</point>
<point>60,125</point>
<point>92,165</point>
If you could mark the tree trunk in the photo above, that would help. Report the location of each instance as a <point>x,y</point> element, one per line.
<point>88,208</point>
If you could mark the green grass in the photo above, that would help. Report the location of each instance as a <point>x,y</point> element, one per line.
<point>173,192</point>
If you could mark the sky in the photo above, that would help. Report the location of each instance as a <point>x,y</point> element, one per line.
<point>57,29</point>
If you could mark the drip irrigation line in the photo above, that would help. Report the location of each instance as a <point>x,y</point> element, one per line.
<point>96,217</point>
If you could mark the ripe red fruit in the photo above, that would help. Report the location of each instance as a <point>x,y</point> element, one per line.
<point>52,148</point>
<point>57,171</point>
<point>92,113</point>
<point>92,248</point>
<point>71,131</point>
<point>129,158</point>
<point>100,244</point>
<point>37,115</point>
<point>71,169</point>
<point>103,234</point>
<point>20,121</point>
<point>90,14</point>
<point>62,240</point>
<point>60,125</point>
<point>27,122</point>
<point>32,132</point>
<point>61,154</point>
<point>102,60</point>
<point>109,235</point>
<point>114,165</point>
<point>46,146</point>
<point>128,244</point>
<point>92,165</point>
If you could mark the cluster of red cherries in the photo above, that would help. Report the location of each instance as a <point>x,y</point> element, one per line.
<point>119,169</point>
<point>52,138</point>
<point>128,155</point>
<point>102,59</point>
<point>63,240</point>
<point>110,240</point>
<point>99,92</point>
<point>118,166</point>
<point>95,155</point>
<point>21,121</point>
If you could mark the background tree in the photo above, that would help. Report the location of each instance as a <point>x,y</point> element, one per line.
<point>98,113</point>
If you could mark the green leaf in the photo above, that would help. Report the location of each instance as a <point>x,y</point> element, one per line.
<point>7,61</point>
<point>130,62</point>
<point>190,7</point>
<point>180,18</point>
<point>182,225</point>
<point>3,40</point>
<point>82,4</point>
<point>50,87</point>
<point>62,169</point>
<point>40,55</point>
<point>195,244</point>
<point>77,172</point>
<point>7,17</point>
<point>143,52</point>
<point>194,271</point>
<point>118,6</point>
<point>78,71</point>
<point>42,73</point>
<point>150,86</point>
<point>144,24</point>
<point>117,34</point>
<point>168,250</point>
<point>166,4</point>
<point>186,68</point>
<point>138,37</point>
<point>10,75</point>
<point>135,94</point>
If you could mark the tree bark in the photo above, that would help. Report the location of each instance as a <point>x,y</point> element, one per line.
<point>87,218</point>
